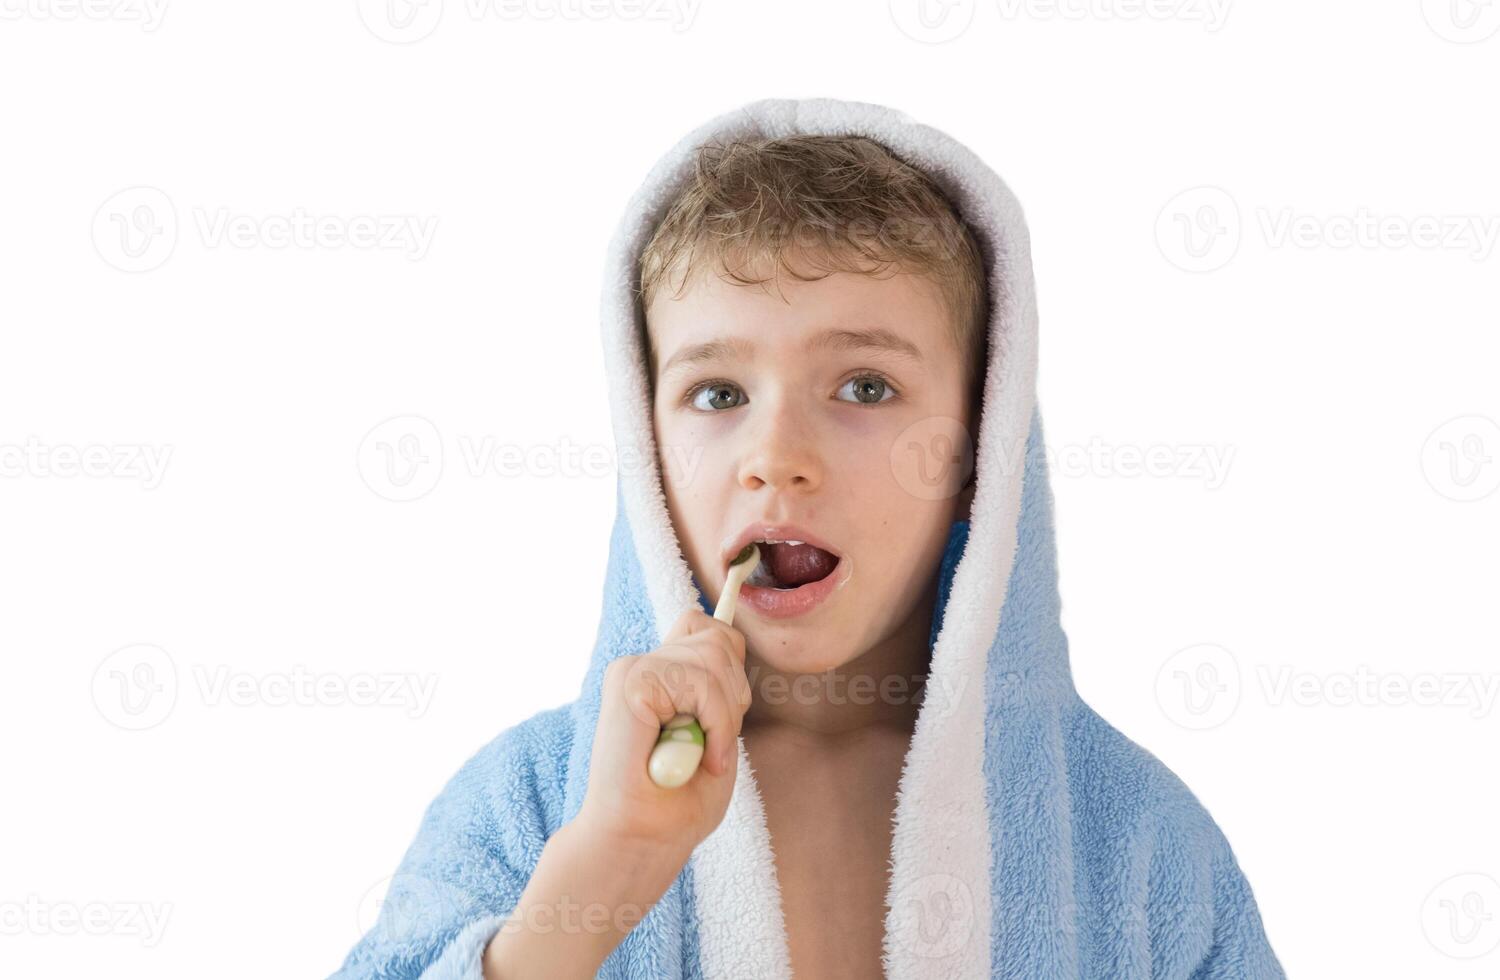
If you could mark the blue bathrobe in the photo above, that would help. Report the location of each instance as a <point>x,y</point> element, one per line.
<point>1030,838</point>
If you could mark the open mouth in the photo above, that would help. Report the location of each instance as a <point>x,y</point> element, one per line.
<point>787,565</point>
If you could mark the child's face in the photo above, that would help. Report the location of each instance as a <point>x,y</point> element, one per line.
<point>798,432</point>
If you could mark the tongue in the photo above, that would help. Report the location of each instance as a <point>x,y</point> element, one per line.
<point>797,564</point>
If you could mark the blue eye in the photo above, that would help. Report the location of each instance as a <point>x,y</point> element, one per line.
<point>873,385</point>
<point>717,389</point>
<point>868,389</point>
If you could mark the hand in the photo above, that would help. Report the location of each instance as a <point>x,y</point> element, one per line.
<point>700,670</point>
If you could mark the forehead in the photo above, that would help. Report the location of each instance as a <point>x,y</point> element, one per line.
<point>900,316</point>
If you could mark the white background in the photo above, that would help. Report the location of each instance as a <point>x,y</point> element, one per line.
<point>1350,540</point>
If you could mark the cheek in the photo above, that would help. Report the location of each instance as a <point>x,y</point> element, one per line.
<point>909,460</point>
<point>693,463</point>
<point>670,449</point>
<point>901,484</point>
<point>930,459</point>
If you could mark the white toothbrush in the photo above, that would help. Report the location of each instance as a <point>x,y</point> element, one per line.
<point>679,748</point>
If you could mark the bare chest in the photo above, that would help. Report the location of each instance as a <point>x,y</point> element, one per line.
<point>829,817</point>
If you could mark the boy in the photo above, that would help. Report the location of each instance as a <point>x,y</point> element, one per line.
<point>968,815</point>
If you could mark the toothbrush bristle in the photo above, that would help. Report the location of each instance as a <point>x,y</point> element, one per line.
<point>745,554</point>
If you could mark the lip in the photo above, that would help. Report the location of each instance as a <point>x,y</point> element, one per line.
<point>760,531</point>
<point>788,603</point>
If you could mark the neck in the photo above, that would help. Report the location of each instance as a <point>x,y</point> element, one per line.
<point>880,689</point>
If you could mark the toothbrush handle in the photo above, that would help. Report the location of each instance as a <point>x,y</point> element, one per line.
<point>678,751</point>
<point>679,747</point>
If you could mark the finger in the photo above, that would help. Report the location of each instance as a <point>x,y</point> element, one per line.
<point>709,652</point>
<point>720,729</point>
<point>729,660</point>
<point>658,689</point>
<point>710,704</point>
<point>684,625</point>
<point>733,639</point>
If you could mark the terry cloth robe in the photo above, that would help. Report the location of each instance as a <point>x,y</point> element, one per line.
<point>1030,838</point>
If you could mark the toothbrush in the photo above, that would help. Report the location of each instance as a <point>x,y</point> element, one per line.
<point>679,748</point>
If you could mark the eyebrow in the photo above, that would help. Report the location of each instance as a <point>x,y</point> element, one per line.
<point>875,339</point>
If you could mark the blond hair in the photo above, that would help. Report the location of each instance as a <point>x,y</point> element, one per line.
<point>846,203</point>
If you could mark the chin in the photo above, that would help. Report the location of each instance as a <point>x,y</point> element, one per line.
<point>798,651</point>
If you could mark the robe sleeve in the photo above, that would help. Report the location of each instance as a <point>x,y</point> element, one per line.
<point>463,874</point>
<point>1240,948</point>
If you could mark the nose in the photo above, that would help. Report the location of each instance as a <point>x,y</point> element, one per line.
<point>782,450</point>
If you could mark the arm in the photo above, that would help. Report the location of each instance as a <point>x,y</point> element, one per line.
<point>587,893</point>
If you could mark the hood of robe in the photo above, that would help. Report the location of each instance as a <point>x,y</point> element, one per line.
<point>999,677</point>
